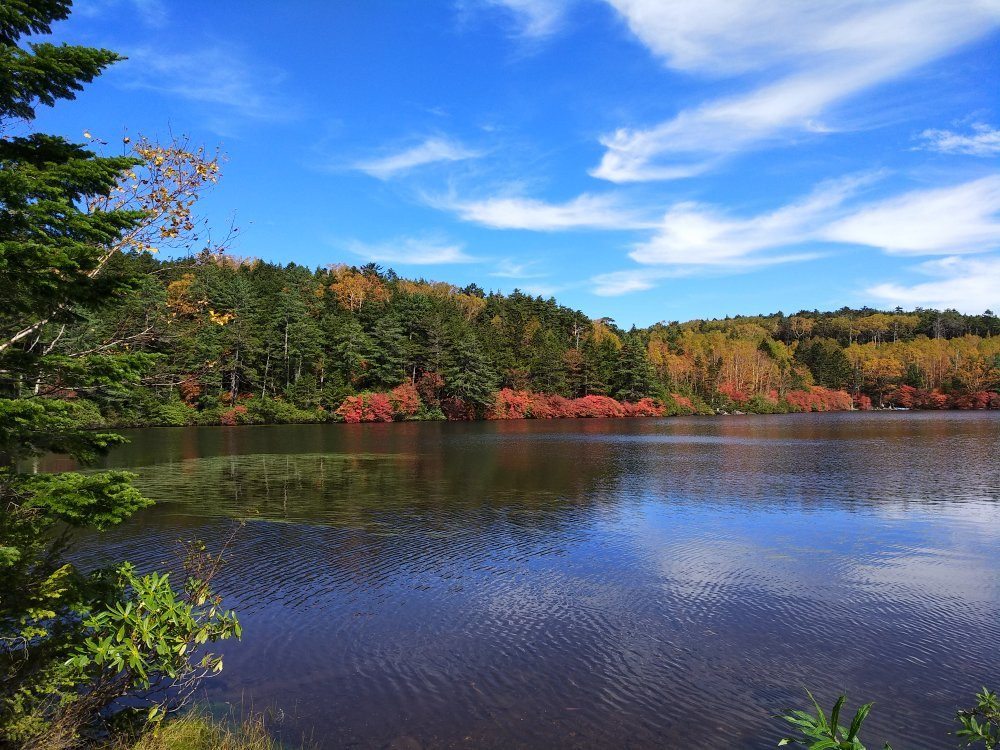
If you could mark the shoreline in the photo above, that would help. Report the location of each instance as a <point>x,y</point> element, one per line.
<point>737,413</point>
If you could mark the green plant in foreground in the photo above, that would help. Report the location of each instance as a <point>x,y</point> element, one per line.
<point>982,723</point>
<point>979,724</point>
<point>76,646</point>
<point>146,639</point>
<point>819,733</point>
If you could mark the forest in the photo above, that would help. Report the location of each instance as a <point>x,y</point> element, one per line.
<point>233,340</point>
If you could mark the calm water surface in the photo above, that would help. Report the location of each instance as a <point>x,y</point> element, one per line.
<point>591,583</point>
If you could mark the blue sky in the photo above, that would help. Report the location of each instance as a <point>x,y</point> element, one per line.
<point>638,159</point>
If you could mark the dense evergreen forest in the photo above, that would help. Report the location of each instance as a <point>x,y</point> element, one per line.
<point>241,340</point>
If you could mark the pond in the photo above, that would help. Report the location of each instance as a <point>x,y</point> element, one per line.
<point>645,583</point>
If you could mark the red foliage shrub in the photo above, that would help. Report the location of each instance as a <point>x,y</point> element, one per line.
<point>232,416</point>
<point>547,406</point>
<point>908,397</point>
<point>510,404</point>
<point>684,404</point>
<point>351,409</point>
<point>731,391</point>
<point>645,407</point>
<point>190,389</point>
<point>994,401</point>
<point>938,400</point>
<point>551,406</point>
<point>905,396</point>
<point>405,400</point>
<point>862,402</point>
<point>818,398</point>
<point>368,407</point>
<point>978,400</point>
<point>598,406</point>
<point>378,408</point>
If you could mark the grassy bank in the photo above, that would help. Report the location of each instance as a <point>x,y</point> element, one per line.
<point>199,731</point>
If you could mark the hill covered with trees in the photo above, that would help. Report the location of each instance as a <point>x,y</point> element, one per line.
<point>243,341</point>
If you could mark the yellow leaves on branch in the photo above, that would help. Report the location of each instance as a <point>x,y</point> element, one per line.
<point>220,319</point>
<point>600,334</point>
<point>164,186</point>
<point>182,302</point>
<point>353,288</point>
<point>471,304</point>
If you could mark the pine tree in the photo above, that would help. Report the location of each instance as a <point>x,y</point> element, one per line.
<point>634,375</point>
<point>385,367</point>
<point>54,268</point>
<point>468,375</point>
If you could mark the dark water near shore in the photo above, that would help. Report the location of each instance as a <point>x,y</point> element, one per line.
<point>592,583</point>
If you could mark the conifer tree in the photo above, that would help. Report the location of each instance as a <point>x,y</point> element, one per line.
<point>54,253</point>
<point>468,375</point>
<point>634,375</point>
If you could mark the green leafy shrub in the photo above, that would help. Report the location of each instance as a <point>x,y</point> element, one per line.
<point>760,404</point>
<point>209,416</point>
<point>272,411</point>
<point>174,413</point>
<point>982,723</point>
<point>819,733</point>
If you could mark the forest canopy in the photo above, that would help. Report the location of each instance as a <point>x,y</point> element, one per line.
<point>237,340</point>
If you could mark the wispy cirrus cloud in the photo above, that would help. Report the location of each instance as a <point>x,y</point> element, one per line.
<point>507,268</point>
<point>414,251</point>
<point>695,235</point>
<point>152,13</point>
<point>616,283</point>
<point>962,218</point>
<point>984,140</point>
<point>802,59</point>
<point>429,151</point>
<point>533,19</point>
<point>698,239</point>
<point>586,211</point>
<point>216,75</point>
<point>970,285</point>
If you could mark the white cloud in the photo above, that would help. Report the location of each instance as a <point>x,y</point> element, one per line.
<point>432,150</point>
<point>510,269</point>
<point>152,13</point>
<point>583,212</point>
<point>534,18</point>
<point>415,251</point>
<point>983,141</point>
<point>216,75</point>
<point>956,219</point>
<point>695,235</point>
<point>970,285</point>
<point>695,238</point>
<point>807,57</point>
<point>962,218</point>
<point>541,290</point>
<point>623,282</point>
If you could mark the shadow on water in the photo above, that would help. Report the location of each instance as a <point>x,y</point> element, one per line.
<point>625,583</point>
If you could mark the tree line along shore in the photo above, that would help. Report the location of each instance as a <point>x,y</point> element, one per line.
<point>241,341</point>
